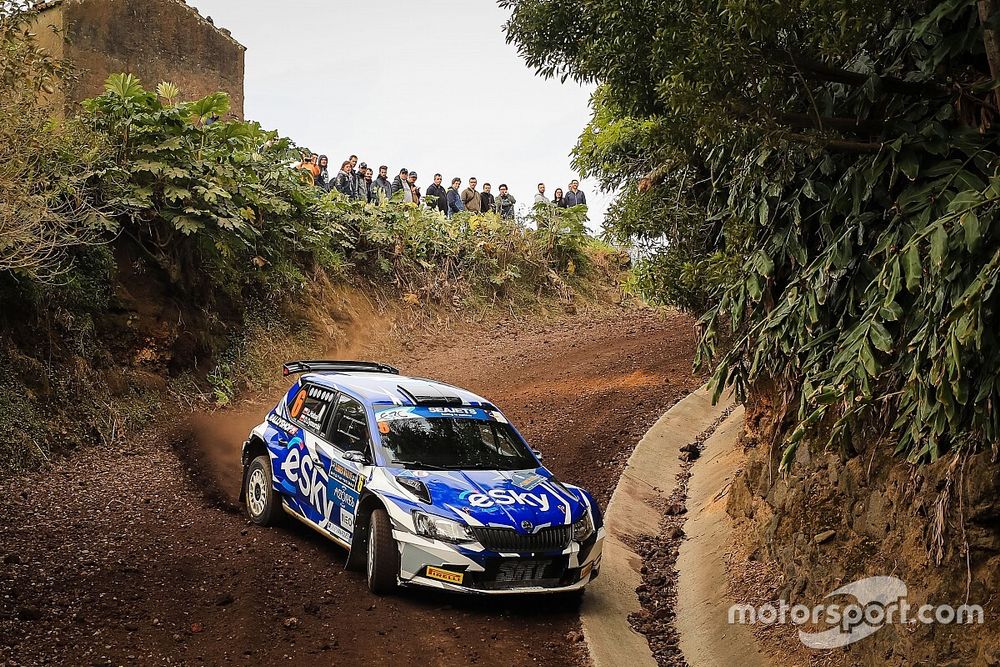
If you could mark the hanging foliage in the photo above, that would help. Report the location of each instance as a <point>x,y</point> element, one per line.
<point>844,157</point>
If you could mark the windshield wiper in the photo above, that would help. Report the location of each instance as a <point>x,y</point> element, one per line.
<point>420,464</point>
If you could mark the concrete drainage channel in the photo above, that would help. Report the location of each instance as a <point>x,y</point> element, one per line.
<point>660,491</point>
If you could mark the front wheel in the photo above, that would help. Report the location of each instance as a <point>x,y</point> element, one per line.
<point>383,555</point>
<point>262,503</point>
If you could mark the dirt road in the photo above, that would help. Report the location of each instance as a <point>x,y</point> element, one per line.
<point>139,557</point>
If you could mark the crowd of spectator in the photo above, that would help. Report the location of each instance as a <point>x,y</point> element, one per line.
<point>358,181</point>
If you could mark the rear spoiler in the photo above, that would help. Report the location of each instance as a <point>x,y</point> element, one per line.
<point>334,366</point>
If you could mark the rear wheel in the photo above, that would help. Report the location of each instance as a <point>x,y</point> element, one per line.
<point>383,554</point>
<point>262,503</point>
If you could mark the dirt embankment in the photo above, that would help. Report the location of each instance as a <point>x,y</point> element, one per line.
<point>116,556</point>
<point>835,520</point>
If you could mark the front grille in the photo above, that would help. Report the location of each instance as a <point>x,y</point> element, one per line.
<point>509,540</point>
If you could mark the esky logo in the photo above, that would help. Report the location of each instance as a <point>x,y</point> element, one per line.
<point>506,497</point>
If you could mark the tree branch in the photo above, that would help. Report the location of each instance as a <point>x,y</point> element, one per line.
<point>824,72</point>
<point>835,145</point>
<point>802,120</point>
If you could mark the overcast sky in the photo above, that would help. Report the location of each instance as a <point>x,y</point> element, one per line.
<point>428,85</point>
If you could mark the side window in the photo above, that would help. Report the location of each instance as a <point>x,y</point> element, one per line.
<point>310,406</point>
<point>349,427</point>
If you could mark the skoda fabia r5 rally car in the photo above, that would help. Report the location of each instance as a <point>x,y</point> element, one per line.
<point>424,483</point>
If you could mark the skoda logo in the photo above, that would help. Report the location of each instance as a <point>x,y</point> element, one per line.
<point>526,525</point>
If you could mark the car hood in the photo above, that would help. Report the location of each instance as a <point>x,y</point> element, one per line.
<point>523,499</point>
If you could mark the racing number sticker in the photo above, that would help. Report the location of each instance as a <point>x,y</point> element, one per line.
<point>300,402</point>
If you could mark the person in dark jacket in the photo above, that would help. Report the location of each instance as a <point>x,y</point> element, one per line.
<point>575,197</point>
<point>436,196</point>
<point>344,182</point>
<point>402,184</point>
<point>354,174</point>
<point>505,203</point>
<point>323,180</point>
<point>488,201</point>
<point>455,204</point>
<point>382,184</point>
<point>372,188</point>
<point>558,200</point>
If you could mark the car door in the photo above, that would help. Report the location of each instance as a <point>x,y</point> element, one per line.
<point>303,470</point>
<point>347,431</point>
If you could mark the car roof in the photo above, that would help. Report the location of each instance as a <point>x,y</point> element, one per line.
<point>394,389</point>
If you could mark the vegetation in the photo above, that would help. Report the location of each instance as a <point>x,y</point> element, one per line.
<point>200,191</point>
<point>142,237</point>
<point>821,176</point>
<point>47,171</point>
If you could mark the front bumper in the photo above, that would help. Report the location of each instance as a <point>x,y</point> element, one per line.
<point>471,569</point>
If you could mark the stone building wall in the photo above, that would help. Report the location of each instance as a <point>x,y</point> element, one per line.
<point>157,40</point>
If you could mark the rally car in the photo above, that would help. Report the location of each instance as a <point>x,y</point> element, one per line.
<point>422,482</point>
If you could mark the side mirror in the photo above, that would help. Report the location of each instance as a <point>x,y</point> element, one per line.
<point>537,454</point>
<point>355,456</point>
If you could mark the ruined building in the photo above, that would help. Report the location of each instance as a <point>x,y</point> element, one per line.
<point>157,40</point>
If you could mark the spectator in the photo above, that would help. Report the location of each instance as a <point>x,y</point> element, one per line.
<point>372,189</point>
<point>489,201</point>
<point>382,184</point>
<point>505,204</point>
<point>344,182</point>
<point>354,172</point>
<point>401,184</point>
<point>414,188</point>
<point>575,196</point>
<point>361,183</point>
<point>471,199</point>
<point>437,195</point>
<point>323,179</point>
<point>559,201</point>
<point>310,167</point>
<point>455,204</point>
<point>540,197</point>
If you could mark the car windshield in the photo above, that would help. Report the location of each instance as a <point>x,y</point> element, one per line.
<point>451,439</point>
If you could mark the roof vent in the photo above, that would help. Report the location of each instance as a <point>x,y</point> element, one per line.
<point>425,393</point>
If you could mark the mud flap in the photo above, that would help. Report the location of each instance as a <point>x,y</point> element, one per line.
<point>243,483</point>
<point>244,454</point>
<point>359,545</point>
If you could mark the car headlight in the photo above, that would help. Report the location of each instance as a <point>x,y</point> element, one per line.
<point>439,528</point>
<point>583,528</point>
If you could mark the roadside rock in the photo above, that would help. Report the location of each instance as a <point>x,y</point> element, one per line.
<point>825,536</point>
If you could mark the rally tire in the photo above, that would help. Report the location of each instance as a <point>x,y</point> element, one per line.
<point>382,555</point>
<point>262,504</point>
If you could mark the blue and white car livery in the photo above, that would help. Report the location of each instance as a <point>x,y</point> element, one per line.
<point>424,483</point>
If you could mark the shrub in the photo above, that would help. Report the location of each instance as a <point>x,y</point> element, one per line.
<point>48,170</point>
<point>205,192</point>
